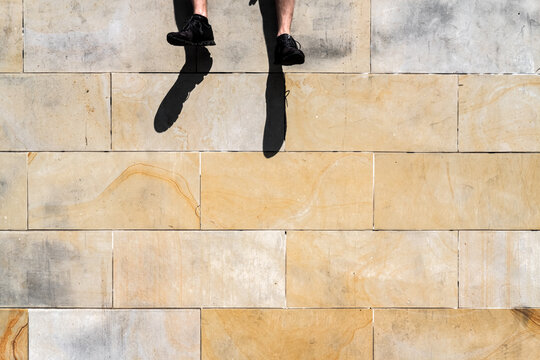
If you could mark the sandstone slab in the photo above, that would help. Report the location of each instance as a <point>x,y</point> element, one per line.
<point>499,269</point>
<point>54,112</point>
<point>329,112</point>
<point>56,269</point>
<point>286,334</point>
<point>288,191</point>
<point>13,334</point>
<point>223,112</point>
<point>449,36</point>
<point>186,269</point>
<point>499,113</point>
<point>12,191</point>
<point>456,334</point>
<point>457,191</point>
<point>114,190</point>
<point>11,38</point>
<point>371,269</point>
<point>118,334</point>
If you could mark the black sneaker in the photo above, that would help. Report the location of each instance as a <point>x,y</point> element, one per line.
<point>197,31</point>
<point>287,52</point>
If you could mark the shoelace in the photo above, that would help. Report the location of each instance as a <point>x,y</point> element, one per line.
<point>292,42</point>
<point>287,92</point>
<point>192,24</point>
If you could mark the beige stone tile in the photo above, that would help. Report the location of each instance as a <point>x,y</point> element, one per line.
<point>456,334</point>
<point>371,269</point>
<point>12,191</point>
<point>11,38</point>
<point>333,40</point>
<point>457,191</point>
<point>223,112</point>
<point>288,191</point>
<point>286,334</point>
<point>114,190</point>
<point>118,334</point>
<point>499,113</point>
<point>54,112</point>
<point>57,269</point>
<point>102,36</point>
<point>13,334</point>
<point>372,112</point>
<point>499,269</point>
<point>185,269</point>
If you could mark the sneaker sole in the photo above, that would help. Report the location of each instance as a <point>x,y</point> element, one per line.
<point>178,42</point>
<point>291,60</point>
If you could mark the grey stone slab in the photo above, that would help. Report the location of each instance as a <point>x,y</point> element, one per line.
<point>97,35</point>
<point>114,334</point>
<point>13,191</point>
<point>334,36</point>
<point>62,269</point>
<point>11,36</point>
<point>455,36</point>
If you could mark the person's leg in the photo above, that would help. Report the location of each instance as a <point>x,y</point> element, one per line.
<point>287,52</point>
<point>199,7</point>
<point>285,10</point>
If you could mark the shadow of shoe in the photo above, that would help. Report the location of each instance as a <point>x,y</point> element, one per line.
<point>197,66</point>
<point>172,104</point>
<point>275,127</point>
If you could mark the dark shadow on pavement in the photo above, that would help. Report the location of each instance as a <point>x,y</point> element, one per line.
<point>275,127</point>
<point>197,66</point>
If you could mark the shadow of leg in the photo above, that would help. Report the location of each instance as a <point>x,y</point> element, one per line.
<point>171,106</point>
<point>276,118</point>
<point>197,66</point>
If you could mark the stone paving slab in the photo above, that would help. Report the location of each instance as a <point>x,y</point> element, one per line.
<point>59,112</point>
<point>289,191</point>
<point>372,269</point>
<point>455,36</point>
<point>499,113</point>
<point>499,269</point>
<point>118,334</point>
<point>457,191</point>
<point>13,195</point>
<point>286,334</point>
<point>55,269</point>
<point>199,269</point>
<point>456,334</point>
<point>113,191</point>
<point>11,36</point>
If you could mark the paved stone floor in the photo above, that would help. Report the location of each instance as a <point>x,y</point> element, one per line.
<point>146,212</point>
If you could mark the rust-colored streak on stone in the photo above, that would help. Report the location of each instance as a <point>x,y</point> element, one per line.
<point>31,157</point>
<point>13,335</point>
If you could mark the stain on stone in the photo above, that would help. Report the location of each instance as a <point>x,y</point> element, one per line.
<point>34,272</point>
<point>327,48</point>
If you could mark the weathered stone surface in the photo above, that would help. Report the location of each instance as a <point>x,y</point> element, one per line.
<point>223,112</point>
<point>96,35</point>
<point>490,36</point>
<point>11,36</point>
<point>54,112</point>
<point>288,191</point>
<point>126,334</point>
<point>499,269</point>
<point>334,38</point>
<point>13,334</point>
<point>114,190</point>
<point>456,334</point>
<point>286,334</point>
<point>372,112</point>
<point>371,269</point>
<point>12,191</point>
<point>457,191</point>
<point>499,113</point>
<point>58,269</point>
<point>184,269</point>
